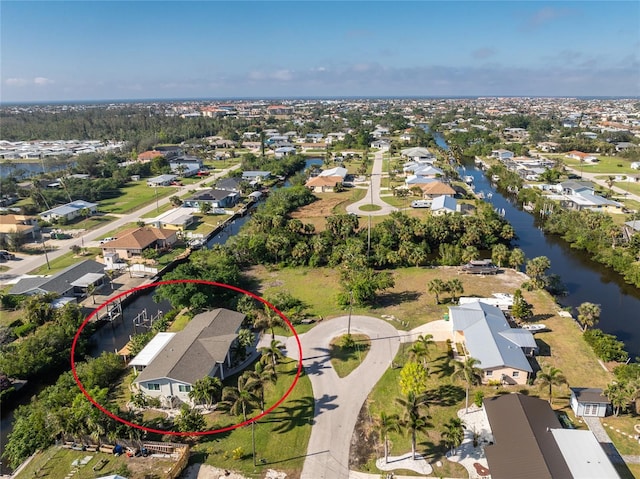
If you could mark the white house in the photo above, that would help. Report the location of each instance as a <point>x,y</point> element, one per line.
<point>70,211</point>
<point>201,349</point>
<point>502,154</point>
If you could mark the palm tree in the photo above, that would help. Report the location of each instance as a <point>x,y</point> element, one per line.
<point>414,421</point>
<point>273,353</point>
<point>499,254</point>
<point>420,349</point>
<point>469,371</point>
<point>589,315</point>
<point>455,286</point>
<point>91,291</point>
<point>453,433</point>
<point>436,286</point>
<point>268,319</point>
<point>384,424</point>
<point>517,258</point>
<point>206,390</point>
<point>550,377</point>
<point>257,379</point>
<point>237,400</point>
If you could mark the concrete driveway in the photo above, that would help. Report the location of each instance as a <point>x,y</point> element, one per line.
<point>373,192</point>
<point>338,401</point>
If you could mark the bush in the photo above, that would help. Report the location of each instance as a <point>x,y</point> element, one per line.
<point>24,329</point>
<point>477,398</point>
<point>606,346</point>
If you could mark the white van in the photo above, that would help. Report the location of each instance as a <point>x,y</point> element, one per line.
<point>421,204</point>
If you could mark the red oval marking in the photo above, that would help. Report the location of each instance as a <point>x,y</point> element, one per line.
<point>187,433</point>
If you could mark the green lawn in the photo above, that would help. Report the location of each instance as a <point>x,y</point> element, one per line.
<point>64,261</point>
<point>345,359</point>
<point>134,196</point>
<point>607,164</point>
<point>281,436</point>
<point>87,223</point>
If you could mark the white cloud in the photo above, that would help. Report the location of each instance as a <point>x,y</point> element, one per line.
<point>42,81</point>
<point>16,82</point>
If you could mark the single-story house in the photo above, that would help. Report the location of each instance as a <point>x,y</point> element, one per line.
<point>216,198</point>
<point>418,154</point>
<point>150,155</point>
<point>230,184</point>
<point>442,205</point>
<point>131,243</point>
<point>630,228</point>
<point>70,282</point>
<point>162,180</point>
<point>185,169</point>
<point>201,349</point>
<point>256,176</point>
<point>322,184</point>
<point>22,225</point>
<point>175,219</point>
<point>70,211</point>
<point>502,154</point>
<point>589,402</point>
<point>415,180</point>
<point>584,157</point>
<point>435,189</point>
<point>527,441</point>
<point>284,151</point>
<point>486,335</point>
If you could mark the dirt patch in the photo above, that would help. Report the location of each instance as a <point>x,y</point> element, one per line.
<point>363,441</point>
<point>317,212</point>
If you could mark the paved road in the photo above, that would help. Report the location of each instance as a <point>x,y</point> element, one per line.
<point>373,192</point>
<point>592,177</point>
<point>338,401</point>
<point>26,263</point>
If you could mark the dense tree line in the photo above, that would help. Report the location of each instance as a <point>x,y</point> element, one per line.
<point>62,410</point>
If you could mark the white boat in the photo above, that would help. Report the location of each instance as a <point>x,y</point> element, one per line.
<point>468,179</point>
<point>534,328</point>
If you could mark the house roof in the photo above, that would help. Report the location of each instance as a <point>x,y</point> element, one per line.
<point>337,171</point>
<point>161,179</point>
<point>329,181</point>
<point>583,454</point>
<point>60,282</point>
<point>150,155</point>
<point>228,184</point>
<point>193,352</point>
<point>634,225</point>
<point>152,349</point>
<point>489,338</point>
<point>419,152</point>
<point>437,188</point>
<point>444,202</point>
<point>69,208</point>
<point>590,395</point>
<point>139,238</point>
<point>523,444</point>
<point>211,195</point>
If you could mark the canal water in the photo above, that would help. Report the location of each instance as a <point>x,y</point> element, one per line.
<point>584,279</point>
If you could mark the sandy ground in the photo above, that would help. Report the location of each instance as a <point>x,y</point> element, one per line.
<point>205,471</point>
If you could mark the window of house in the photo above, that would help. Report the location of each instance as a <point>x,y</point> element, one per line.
<point>488,373</point>
<point>515,374</point>
<point>184,388</point>
<point>153,386</point>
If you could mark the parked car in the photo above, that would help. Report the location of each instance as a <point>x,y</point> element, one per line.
<point>5,255</point>
<point>106,240</point>
<point>421,204</point>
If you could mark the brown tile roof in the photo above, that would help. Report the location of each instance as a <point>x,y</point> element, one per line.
<point>193,352</point>
<point>150,155</point>
<point>324,181</point>
<point>139,238</point>
<point>437,188</point>
<point>524,447</point>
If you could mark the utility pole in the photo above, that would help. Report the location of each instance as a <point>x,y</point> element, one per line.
<point>350,308</point>
<point>44,247</point>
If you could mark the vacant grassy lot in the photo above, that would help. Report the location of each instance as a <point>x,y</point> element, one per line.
<point>87,223</point>
<point>134,196</point>
<point>64,261</point>
<point>607,164</point>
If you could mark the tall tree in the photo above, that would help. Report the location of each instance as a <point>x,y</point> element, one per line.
<point>549,377</point>
<point>516,258</point>
<point>536,270</point>
<point>589,315</point>
<point>413,379</point>
<point>470,373</point>
<point>238,400</point>
<point>272,354</point>
<point>206,390</point>
<point>414,420</point>
<point>499,254</point>
<point>455,287</point>
<point>384,424</point>
<point>520,309</point>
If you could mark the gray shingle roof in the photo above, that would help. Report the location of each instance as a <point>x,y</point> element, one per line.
<point>60,282</point>
<point>193,353</point>
<point>590,395</point>
<point>489,338</point>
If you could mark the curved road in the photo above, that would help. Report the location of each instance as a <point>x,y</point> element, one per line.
<point>586,175</point>
<point>338,400</point>
<point>373,192</point>
<point>25,263</point>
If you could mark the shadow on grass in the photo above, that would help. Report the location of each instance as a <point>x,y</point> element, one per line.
<point>445,395</point>
<point>544,349</point>
<point>396,298</point>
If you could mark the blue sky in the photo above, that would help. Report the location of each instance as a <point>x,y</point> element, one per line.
<point>92,50</point>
